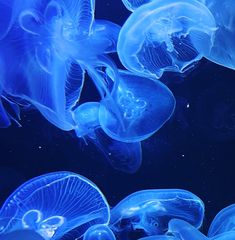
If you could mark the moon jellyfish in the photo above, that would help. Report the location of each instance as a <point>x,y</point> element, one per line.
<point>126,157</point>
<point>223,222</point>
<point>151,211</point>
<point>159,237</point>
<point>53,205</point>
<point>134,4</point>
<point>21,234</point>
<point>222,47</point>
<point>172,36</point>
<point>99,232</point>
<point>144,106</point>
<point>184,230</point>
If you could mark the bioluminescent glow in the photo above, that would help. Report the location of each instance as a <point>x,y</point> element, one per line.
<point>53,205</point>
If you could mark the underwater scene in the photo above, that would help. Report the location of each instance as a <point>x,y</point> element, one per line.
<point>117,119</point>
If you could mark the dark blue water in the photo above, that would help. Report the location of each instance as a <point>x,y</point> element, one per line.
<point>193,151</point>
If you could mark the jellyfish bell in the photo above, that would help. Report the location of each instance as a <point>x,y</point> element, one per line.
<point>151,211</point>
<point>125,157</point>
<point>172,36</point>
<point>222,47</point>
<point>54,205</point>
<point>144,106</point>
<point>224,221</point>
<point>99,232</point>
<point>184,230</point>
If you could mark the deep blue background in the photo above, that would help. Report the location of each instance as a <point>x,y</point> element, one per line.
<point>193,151</point>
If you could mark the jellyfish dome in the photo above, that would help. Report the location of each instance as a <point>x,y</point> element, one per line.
<point>99,232</point>
<point>222,48</point>
<point>143,105</point>
<point>224,221</point>
<point>53,205</point>
<point>172,36</point>
<point>151,211</point>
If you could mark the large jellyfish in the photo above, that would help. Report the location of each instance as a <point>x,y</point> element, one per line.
<point>126,157</point>
<point>99,232</point>
<point>54,205</point>
<point>172,36</point>
<point>222,47</point>
<point>151,210</point>
<point>223,222</point>
<point>47,39</point>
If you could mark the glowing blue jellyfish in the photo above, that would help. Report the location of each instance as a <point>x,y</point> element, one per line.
<point>223,222</point>
<point>22,234</point>
<point>185,231</point>
<point>126,157</point>
<point>172,36</point>
<point>53,205</point>
<point>99,232</point>
<point>134,4</point>
<point>144,106</point>
<point>47,42</point>
<point>222,47</point>
<point>151,211</point>
<point>159,237</point>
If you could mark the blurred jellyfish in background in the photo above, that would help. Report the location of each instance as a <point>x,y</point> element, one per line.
<point>54,205</point>
<point>99,232</point>
<point>172,36</point>
<point>223,222</point>
<point>134,4</point>
<point>222,48</point>
<point>151,211</point>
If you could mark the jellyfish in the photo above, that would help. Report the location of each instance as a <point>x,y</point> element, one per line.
<point>22,234</point>
<point>172,36</point>
<point>222,47</point>
<point>99,232</point>
<point>159,237</point>
<point>144,106</point>
<point>223,222</point>
<point>126,157</point>
<point>132,5</point>
<point>54,205</point>
<point>47,41</point>
<point>151,211</point>
<point>184,230</point>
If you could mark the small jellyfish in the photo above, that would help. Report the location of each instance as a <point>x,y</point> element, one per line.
<point>126,157</point>
<point>159,237</point>
<point>222,47</point>
<point>134,4</point>
<point>184,230</point>
<point>54,205</point>
<point>21,235</point>
<point>223,222</point>
<point>151,211</point>
<point>144,106</point>
<point>99,232</point>
<point>172,36</point>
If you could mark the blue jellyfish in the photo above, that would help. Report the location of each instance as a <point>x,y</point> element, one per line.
<point>222,47</point>
<point>99,232</point>
<point>151,210</point>
<point>223,222</point>
<point>184,230</point>
<point>47,41</point>
<point>22,234</point>
<point>134,4</point>
<point>172,36</point>
<point>144,106</point>
<point>159,237</point>
<point>126,157</point>
<point>53,205</point>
